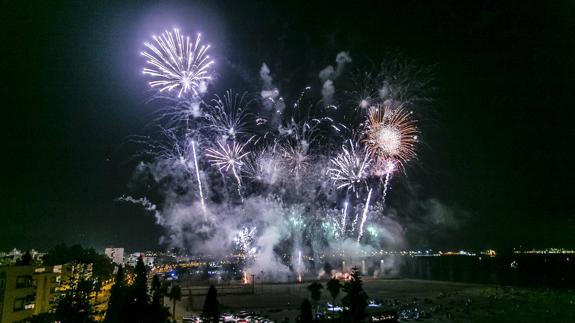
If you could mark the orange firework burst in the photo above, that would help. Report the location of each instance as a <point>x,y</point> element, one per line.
<point>390,136</point>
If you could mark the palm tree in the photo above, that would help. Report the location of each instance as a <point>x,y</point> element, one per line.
<point>175,295</point>
<point>156,290</point>
<point>315,291</point>
<point>305,316</point>
<point>355,300</point>
<point>333,286</point>
<point>164,288</point>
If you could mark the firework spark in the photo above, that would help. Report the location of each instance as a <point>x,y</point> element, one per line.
<point>177,63</point>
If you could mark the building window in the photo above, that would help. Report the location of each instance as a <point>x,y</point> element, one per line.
<point>19,304</point>
<point>24,281</point>
<point>24,303</point>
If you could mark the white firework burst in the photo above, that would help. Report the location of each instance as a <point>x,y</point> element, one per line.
<point>229,157</point>
<point>363,92</point>
<point>176,63</point>
<point>244,241</point>
<point>296,156</point>
<point>350,167</point>
<point>264,166</point>
<point>227,115</point>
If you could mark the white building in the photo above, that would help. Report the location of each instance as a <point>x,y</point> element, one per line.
<point>116,255</point>
<point>148,258</point>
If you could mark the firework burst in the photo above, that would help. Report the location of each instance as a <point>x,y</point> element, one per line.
<point>363,91</point>
<point>293,164</point>
<point>229,157</point>
<point>264,166</point>
<point>296,156</point>
<point>227,115</point>
<point>349,168</point>
<point>176,63</point>
<point>244,241</point>
<point>390,135</point>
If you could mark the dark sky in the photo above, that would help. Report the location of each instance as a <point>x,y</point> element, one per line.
<point>500,147</point>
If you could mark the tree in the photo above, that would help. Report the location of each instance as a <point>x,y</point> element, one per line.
<point>164,288</point>
<point>43,318</point>
<point>305,315</point>
<point>25,260</point>
<point>355,300</point>
<point>211,310</point>
<point>61,254</point>
<point>156,289</point>
<point>127,305</point>
<point>315,291</point>
<point>159,313</point>
<point>175,295</point>
<point>333,286</point>
<point>74,306</point>
<point>118,299</point>
<point>97,288</point>
<point>140,286</point>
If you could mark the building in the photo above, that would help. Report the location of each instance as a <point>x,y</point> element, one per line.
<point>47,280</point>
<point>115,254</point>
<point>13,256</point>
<point>17,293</point>
<point>148,257</point>
<point>26,291</point>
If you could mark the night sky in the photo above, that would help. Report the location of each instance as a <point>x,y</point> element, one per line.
<point>499,141</point>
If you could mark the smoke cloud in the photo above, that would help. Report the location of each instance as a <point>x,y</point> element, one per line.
<point>329,74</point>
<point>269,93</point>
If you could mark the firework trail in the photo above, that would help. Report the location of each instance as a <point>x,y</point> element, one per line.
<point>177,63</point>
<point>364,215</point>
<point>199,180</point>
<point>343,219</point>
<point>390,167</point>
